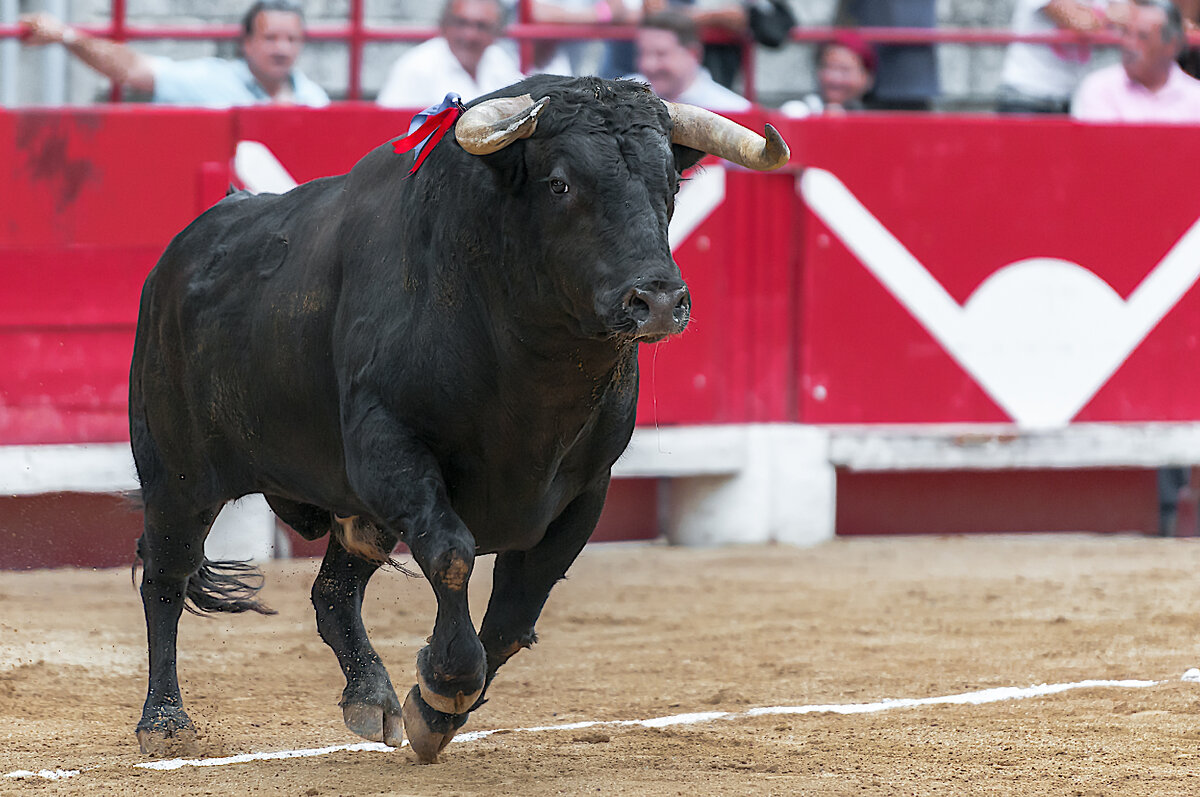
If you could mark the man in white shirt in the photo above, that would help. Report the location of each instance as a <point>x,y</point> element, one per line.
<point>271,41</point>
<point>668,58</point>
<point>465,59</point>
<point>1147,86</point>
<point>1040,78</point>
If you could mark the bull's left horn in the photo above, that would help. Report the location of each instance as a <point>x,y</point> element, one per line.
<point>491,126</point>
<point>712,133</point>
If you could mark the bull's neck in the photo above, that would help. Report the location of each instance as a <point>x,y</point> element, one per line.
<point>551,353</point>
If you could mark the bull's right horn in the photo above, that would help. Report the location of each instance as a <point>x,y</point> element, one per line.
<point>712,133</point>
<point>492,125</point>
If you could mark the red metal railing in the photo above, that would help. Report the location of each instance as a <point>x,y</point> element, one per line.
<point>357,33</point>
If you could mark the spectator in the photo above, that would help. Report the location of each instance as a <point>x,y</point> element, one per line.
<point>668,58</point>
<point>567,58</point>
<point>845,73</point>
<point>722,60</point>
<point>1040,78</point>
<point>1147,86</point>
<point>465,59</point>
<point>271,41</point>
<point>907,76</point>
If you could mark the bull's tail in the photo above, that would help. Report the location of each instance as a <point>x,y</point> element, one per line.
<point>226,587</point>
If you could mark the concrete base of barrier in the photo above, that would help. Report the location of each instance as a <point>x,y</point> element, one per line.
<point>748,483</point>
<point>727,484</point>
<point>717,485</point>
<point>244,530</point>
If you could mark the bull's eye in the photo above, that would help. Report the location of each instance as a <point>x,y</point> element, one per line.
<point>559,186</point>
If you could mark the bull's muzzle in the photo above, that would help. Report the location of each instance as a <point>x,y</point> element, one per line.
<point>657,310</point>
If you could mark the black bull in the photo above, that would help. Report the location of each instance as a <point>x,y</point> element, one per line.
<point>447,360</point>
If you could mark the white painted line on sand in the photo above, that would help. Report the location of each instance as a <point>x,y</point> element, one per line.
<point>44,774</point>
<point>975,698</point>
<point>968,698</point>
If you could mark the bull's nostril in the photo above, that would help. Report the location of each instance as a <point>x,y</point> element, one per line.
<point>682,312</point>
<point>657,310</point>
<point>638,308</point>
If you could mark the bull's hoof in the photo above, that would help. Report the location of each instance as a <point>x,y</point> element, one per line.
<point>168,730</point>
<point>452,694</point>
<point>374,723</point>
<point>428,730</point>
<point>371,709</point>
<point>459,704</point>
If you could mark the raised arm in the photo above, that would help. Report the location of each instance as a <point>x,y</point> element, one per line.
<point>118,62</point>
<point>1077,16</point>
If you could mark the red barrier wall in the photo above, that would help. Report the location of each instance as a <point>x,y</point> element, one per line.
<point>1000,226</point>
<point>89,201</point>
<point>789,324</point>
<point>92,198</point>
<point>734,363</point>
<point>969,197</point>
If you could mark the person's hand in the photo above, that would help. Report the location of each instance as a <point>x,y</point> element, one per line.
<point>1118,14</point>
<point>44,29</point>
<point>653,7</point>
<point>620,14</point>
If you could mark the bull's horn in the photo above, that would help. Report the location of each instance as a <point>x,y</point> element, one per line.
<point>493,125</point>
<point>709,132</point>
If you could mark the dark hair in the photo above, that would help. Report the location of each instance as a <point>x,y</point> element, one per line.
<point>680,24</point>
<point>287,6</point>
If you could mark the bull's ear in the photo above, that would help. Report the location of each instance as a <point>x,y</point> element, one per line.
<point>685,157</point>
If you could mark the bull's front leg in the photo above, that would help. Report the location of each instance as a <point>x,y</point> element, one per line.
<point>522,580</point>
<point>400,481</point>
<point>521,583</point>
<point>451,668</point>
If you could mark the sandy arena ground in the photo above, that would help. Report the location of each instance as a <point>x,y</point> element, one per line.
<point>644,631</point>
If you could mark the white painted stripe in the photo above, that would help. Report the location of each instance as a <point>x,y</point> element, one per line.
<point>259,170</point>
<point>968,698</point>
<point>178,763</point>
<point>976,698</point>
<point>697,199</point>
<point>44,774</point>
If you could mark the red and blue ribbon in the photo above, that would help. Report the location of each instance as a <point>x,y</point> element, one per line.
<point>428,127</point>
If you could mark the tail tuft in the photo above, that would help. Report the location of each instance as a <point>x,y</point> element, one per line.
<point>226,587</point>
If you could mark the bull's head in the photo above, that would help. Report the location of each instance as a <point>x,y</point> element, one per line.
<point>608,190</point>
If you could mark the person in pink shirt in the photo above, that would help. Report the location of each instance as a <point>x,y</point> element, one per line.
<point>1147,86</point>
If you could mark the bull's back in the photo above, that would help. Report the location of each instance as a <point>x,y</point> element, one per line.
<point>232,357</point>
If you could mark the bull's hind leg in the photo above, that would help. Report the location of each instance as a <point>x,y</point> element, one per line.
<point>172,549</point>
<point>370,707</point>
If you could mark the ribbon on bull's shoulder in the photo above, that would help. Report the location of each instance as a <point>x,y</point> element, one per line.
<point>428,127</point>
